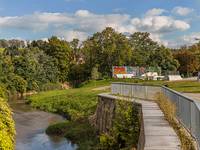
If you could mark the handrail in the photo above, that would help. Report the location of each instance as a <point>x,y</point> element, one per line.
<point>188,109</point>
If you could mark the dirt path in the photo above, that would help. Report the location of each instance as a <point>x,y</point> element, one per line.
<point>102,88</point>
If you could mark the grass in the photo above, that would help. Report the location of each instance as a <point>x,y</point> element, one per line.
<point>180,86</point>
<point>79,132</point>
<point>1,50</point>
<point>185,86</point>
<point>169,110</point>
<point>74,103</point>
<point>71,103</point>
<point>78,104</point>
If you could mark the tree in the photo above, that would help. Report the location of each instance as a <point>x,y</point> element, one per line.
<point>77,74</point>
<point>189,62</point>
<point>59,50</point>
<point>106,49</point>
<point>142,47</point>
<point>163,57</point>
<point>95,74</point>
<point>76,53</point>
<point>19,84</point>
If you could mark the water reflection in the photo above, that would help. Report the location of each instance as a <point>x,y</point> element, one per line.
<point>30,128</point>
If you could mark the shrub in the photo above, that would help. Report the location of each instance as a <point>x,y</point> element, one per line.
<point>50,86</point>
<point>126,128</point>
<point>78,131</point>
<point>58,129</point>
<point>7,130</point>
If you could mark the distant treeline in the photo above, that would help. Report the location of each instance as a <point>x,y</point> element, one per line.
<point>12,43</point>
<point>40,64</point>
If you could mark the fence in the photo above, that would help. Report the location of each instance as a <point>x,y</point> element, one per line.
<point>135,90</point>
<point>188,110</point>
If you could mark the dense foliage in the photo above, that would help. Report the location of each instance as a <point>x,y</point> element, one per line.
<point>79,131</point>
<point>7,129</point>
<point>123,135</point>
<point>126,128</point>
<point>28,66</point>
<point>189,59</point>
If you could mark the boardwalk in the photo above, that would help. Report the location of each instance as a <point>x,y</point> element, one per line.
<point>159,135</point>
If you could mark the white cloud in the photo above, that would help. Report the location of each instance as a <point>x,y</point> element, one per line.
<point>155,12</point>
<point>83,13</point>
<point>159,24</point>
<point>83,23</point>
<point>191,38</point>
<point>182,11</point>
<point>69,35</point>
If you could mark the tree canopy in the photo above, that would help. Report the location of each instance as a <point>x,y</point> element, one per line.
<point>42,62</point>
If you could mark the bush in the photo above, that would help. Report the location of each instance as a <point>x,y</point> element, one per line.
<point>50,86</point>
<point>58,129</point>
<point>126,128</point>
<point>3,92</point>
<point>7,130</point>
<point>78,131</point>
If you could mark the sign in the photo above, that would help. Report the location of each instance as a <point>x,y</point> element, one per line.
<point>125,71</point>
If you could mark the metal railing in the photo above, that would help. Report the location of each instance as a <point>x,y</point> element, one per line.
<point>135,90</point>
<point>187,109</point>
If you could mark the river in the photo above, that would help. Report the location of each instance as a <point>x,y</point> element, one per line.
<point>30,129</point>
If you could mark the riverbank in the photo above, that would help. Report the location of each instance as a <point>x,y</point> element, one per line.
<point>74,104</point>
<point>30,128</point>
<point>77,105</point>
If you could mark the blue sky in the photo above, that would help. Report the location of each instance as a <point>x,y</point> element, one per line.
<point>170,22</point>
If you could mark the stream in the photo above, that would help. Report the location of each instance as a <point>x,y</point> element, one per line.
<point>30,129</point>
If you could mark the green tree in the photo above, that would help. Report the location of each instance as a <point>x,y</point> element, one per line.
<point>163,58</point>
<point>59,50</point>
<point>76,53</point>
<point>107,49</point>
<point>19,84</point>
<point>142,46</point>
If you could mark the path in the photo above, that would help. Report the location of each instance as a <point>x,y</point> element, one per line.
<point>159,135</point>
<point>195,96</point>
<point>102,88</point>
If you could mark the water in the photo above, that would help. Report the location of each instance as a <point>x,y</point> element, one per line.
<point>30,127</point>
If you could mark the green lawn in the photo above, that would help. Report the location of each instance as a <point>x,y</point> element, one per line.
<point>185,86</point>
<point>72,103</point>
<point>180,86</point>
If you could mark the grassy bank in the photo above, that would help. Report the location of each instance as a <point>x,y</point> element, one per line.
<point>71,103</point>
<point>78,104</point>
<point>75,104</point>
<point>123,135</point>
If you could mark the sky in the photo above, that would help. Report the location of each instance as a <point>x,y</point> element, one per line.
<point>172,23</point>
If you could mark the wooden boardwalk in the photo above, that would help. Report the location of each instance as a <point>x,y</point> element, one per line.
<point>159,135</point>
